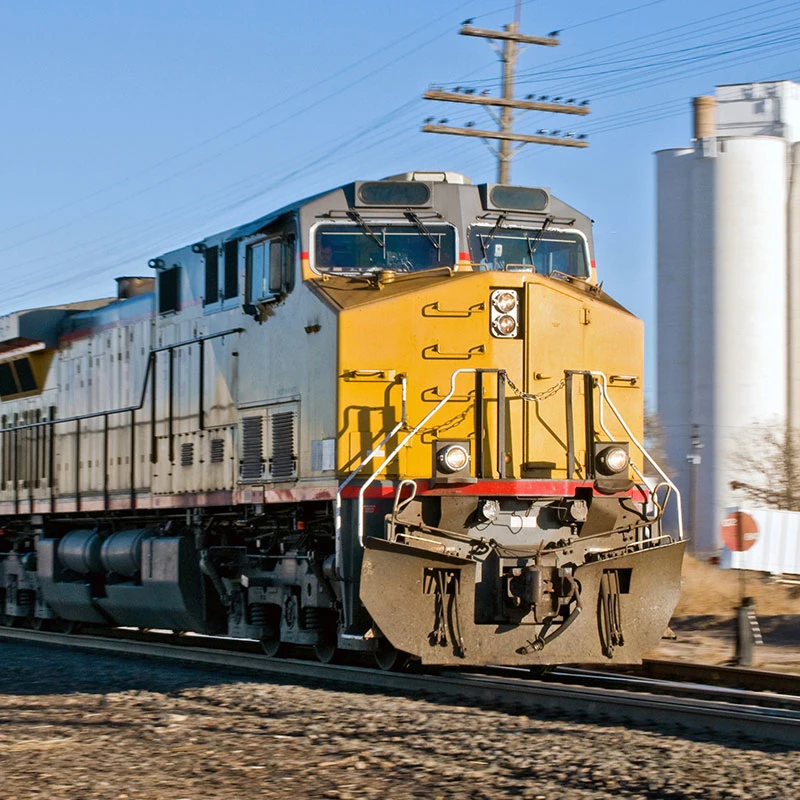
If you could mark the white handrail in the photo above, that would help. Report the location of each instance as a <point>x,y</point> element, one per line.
<point>337,523</point>
<point>404,441</point>
<point>664,477</point>
<point>401,445</point>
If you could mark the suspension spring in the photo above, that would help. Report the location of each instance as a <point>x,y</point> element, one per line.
<point>26,599</point>
<point>311,619</point>
<point>257,614</point>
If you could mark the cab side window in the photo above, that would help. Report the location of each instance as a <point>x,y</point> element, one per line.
<point>270,268</point>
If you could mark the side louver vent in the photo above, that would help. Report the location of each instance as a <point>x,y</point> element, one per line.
<point>252,462</point>
<point>187,454</point>
<point>217,451</point>
<point>283,461</point>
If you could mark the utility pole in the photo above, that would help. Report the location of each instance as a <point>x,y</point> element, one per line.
<point>508,52</point>
<point>506,115</point>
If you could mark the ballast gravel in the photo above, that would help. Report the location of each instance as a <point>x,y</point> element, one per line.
<point>85,726</point>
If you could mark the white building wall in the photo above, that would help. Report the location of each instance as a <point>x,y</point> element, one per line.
<point>777,548</point>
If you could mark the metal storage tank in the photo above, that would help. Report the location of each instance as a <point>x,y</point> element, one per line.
<point>751,299</point>
<point>723,334</point>
<point>793,256</point>
<point>674,307</point>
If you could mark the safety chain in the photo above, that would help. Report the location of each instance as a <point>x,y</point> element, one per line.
<point>526,396</point>
<point>535,398</point>
<point>446,425</point>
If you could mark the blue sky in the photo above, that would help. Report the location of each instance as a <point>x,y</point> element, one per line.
<point>132,128</point>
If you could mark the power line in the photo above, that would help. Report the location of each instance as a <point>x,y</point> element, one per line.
<point>248,120</point>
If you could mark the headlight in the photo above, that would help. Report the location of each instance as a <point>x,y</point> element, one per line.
<point>612,460</point>
<point>504,301</point>
<point>505,325</point>
<point>504,313</point>
<point>453,458</point>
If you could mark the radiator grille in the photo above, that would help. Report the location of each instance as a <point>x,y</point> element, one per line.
<point>187,454</point>
<point>252,463</point>
<point>217,451</point>
<point>282,463</point>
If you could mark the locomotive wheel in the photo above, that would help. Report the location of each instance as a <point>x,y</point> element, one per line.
<point>67,626</point>
<point>326,652</point>
<point>9,621</point>
<point>387,657</point>
<point>271,642</point>
<point>41,624</point>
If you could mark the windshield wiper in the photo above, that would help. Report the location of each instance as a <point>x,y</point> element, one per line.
<point>537,239</point>
<point>492,233</point>
<point>356,217</point>
<point>422,229</point>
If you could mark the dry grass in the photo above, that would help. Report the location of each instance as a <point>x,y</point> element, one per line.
<point>708,590</point>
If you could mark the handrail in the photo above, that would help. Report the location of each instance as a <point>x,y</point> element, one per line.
<point>664,477</point>
<point>148,381</point>
<point>151,353</point>
<point>337,523</point>
<point>388,459</point>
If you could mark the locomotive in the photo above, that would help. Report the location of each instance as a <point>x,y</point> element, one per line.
<point>399,417</point>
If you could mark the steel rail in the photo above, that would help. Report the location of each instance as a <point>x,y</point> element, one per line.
<point>685,687</point>
<point>733,677</point>
<point>608,705</point>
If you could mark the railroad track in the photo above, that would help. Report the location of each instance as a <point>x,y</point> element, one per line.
<point>744,715</point>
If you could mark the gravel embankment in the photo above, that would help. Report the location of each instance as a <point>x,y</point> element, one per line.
<point>79,726</point>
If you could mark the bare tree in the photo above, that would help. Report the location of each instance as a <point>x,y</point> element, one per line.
<point>767,465</point>
<point>654,443</point>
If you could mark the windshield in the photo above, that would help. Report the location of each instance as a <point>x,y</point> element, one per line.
<point>547,250</point>
<point>373,246</point>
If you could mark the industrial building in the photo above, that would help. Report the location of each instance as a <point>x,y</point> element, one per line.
<point>728,281</point>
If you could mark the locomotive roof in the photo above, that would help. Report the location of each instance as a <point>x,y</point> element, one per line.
<point>459,182</point>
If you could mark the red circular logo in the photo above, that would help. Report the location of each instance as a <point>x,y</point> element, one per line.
<point>739,531</point>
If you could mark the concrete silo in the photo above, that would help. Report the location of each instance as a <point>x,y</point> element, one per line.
<point>728,305</point>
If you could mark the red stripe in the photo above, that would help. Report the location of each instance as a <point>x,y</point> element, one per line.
<point>496,488</point>
<point>382,490</point>
<point>464,257</point>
